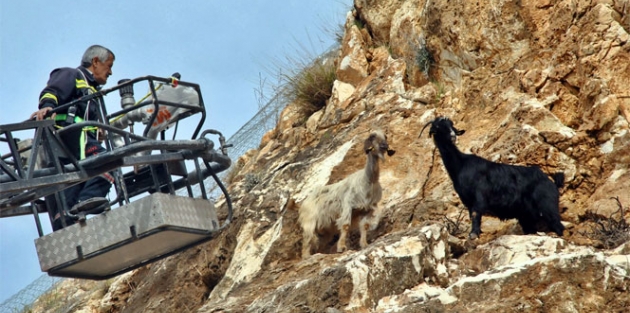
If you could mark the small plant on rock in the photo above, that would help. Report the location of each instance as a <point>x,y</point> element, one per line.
<point>418,58</point>
<point>424,58</point>
<point>327,136</point>
<point>612,231</point>
<point>439,87</point>
<point>312,86</point>
<point>456,227</point>
<point>251,181</point>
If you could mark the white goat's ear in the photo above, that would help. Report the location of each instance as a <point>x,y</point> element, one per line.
<point>390,152</point>
<point>368,145</point>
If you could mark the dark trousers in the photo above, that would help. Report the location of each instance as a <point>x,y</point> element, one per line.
<point>95,187</point>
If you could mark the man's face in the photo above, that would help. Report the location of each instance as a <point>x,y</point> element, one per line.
<point>102,70</point>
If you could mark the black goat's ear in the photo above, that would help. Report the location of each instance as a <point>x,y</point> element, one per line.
<point>460,132</point>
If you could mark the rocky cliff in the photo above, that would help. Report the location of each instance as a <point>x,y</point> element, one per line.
<point>536,82</point>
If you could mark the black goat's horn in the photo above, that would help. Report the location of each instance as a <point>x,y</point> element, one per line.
<point>425,126</point>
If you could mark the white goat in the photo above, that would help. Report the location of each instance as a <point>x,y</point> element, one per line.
<point>351,201</point>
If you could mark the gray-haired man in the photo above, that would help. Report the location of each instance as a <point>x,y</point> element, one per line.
<point>65,85</point>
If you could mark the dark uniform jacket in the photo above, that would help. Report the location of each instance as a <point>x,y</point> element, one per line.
<point>67,84</point>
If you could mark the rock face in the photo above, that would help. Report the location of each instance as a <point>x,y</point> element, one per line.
<point>540,83</point>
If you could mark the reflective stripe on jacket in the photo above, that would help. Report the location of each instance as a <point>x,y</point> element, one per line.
<point>67,84</point>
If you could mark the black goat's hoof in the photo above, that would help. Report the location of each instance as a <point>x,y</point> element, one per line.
<point>473,236</point>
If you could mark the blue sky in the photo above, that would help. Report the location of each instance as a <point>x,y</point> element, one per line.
<point>224,46</point>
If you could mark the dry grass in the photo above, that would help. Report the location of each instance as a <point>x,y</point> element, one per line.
<point>456,227</point>
<point>230,176</point>
<point>302,78</point>
<point>611,231</point>
<point>51,301</point>
<point>311,85</point>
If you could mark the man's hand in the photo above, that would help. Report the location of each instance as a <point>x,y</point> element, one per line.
<point>41,114</point>
<point>100,135</point>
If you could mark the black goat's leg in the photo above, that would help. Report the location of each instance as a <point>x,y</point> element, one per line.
<point>528,225</point>
<point>475,217</point>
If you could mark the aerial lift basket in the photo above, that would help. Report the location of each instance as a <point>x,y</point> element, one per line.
<point>128,237</point>
<point>160,208</point>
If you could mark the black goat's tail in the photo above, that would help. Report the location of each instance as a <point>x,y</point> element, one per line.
<point>558,179</point>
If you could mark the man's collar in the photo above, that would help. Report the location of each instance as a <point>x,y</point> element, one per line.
<point>89,76</point>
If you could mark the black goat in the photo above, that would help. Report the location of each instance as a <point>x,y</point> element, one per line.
<point>501,190</point>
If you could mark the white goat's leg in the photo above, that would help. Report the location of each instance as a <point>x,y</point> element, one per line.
<point>364,225</point>
<point>343,223</point>
<point>368,221</point>
<point>307,243</point>
<point>309,239</point>
<point>343,237</point>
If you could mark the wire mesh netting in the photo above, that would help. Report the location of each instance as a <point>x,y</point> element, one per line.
<point>246,138</point>
<point>22,300</point>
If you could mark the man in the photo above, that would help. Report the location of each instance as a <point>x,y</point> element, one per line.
<point>66,85</point>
